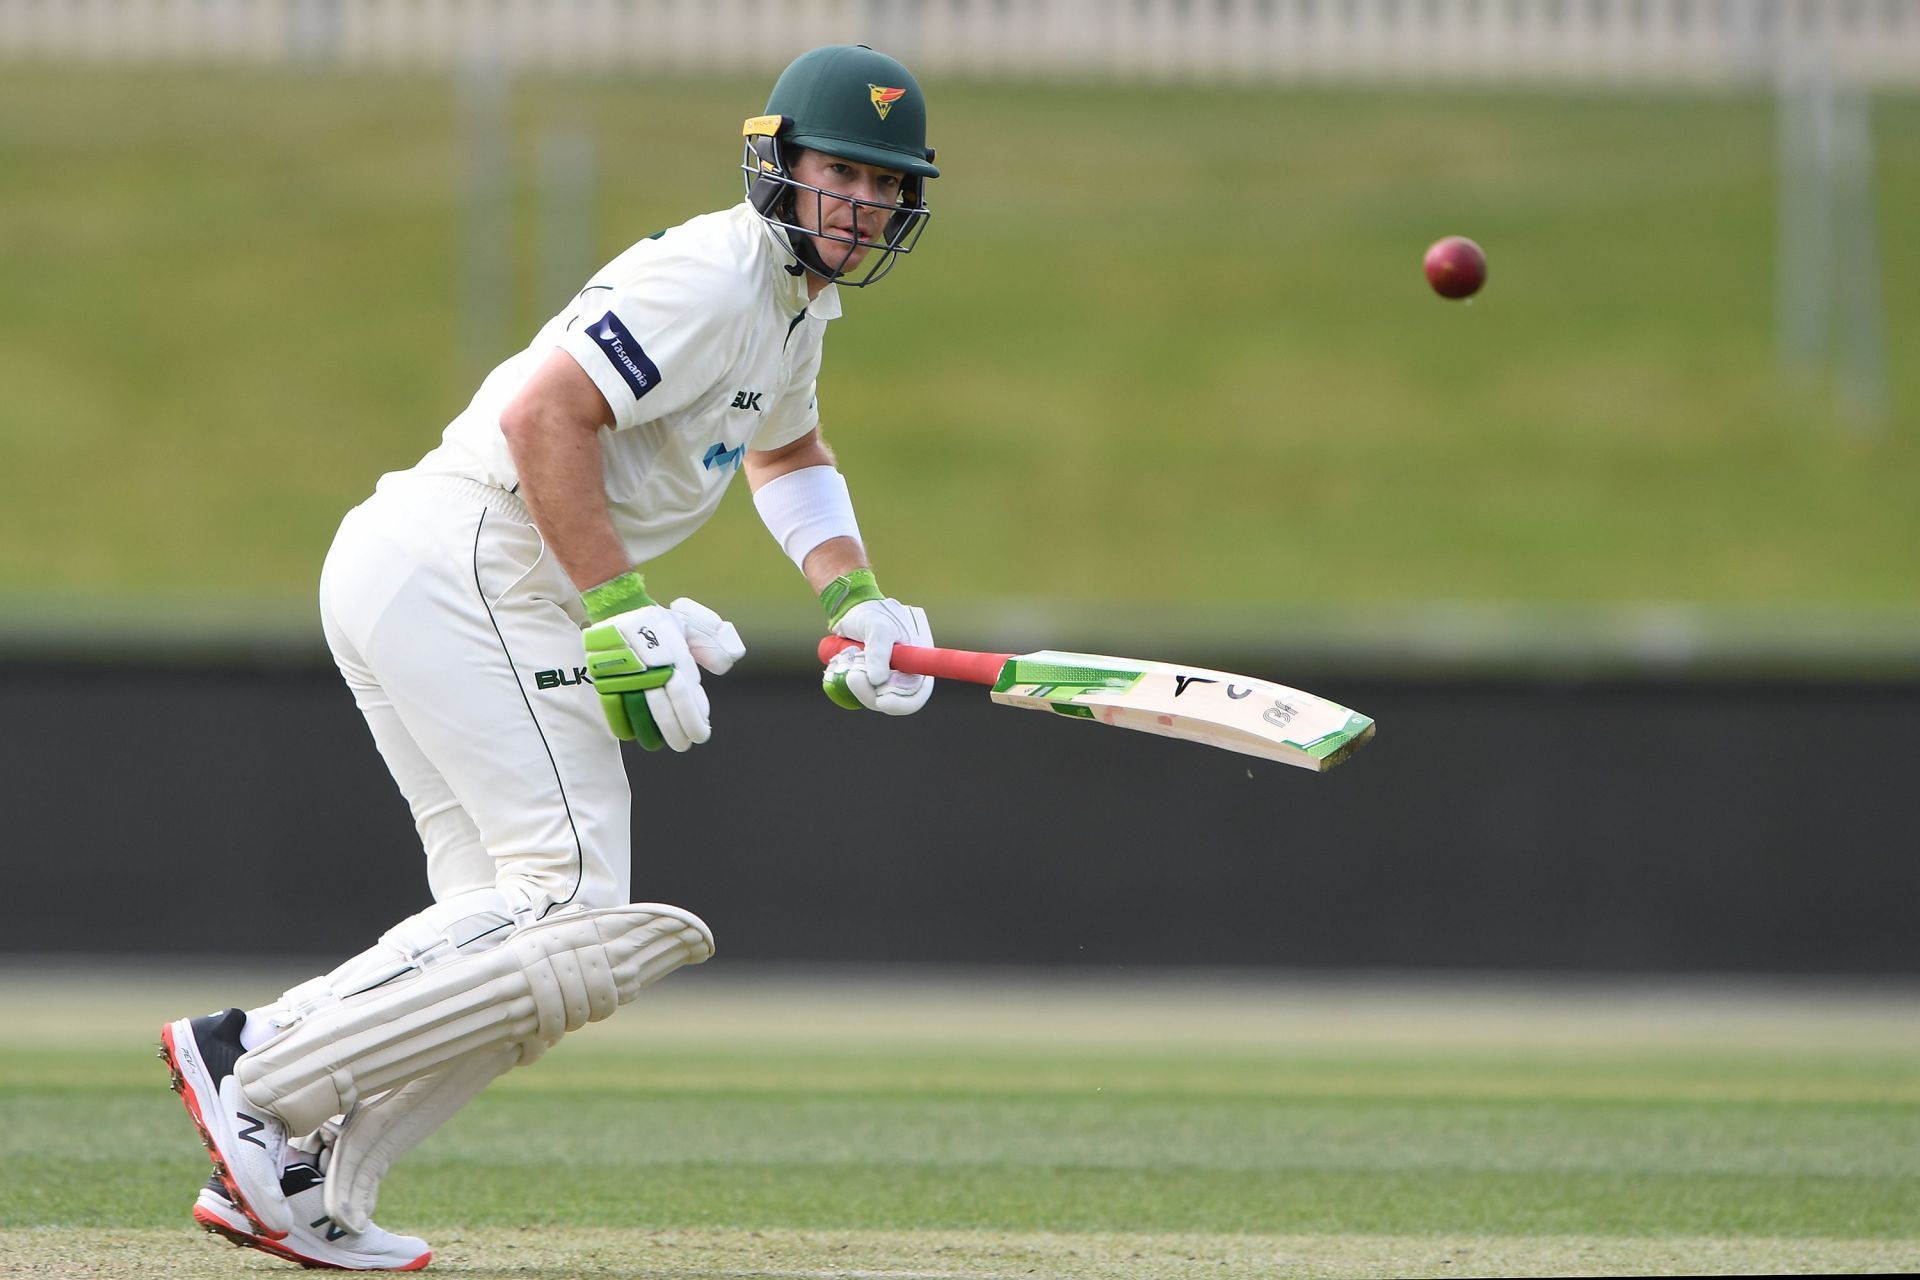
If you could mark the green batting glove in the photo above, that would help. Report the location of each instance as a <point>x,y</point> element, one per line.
<point>619,677</point>
<point>846,591</point>
<point>838,599</point>
<point>833,682</point>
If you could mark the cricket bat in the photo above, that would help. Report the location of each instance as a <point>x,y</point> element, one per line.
<point>1217,708</point>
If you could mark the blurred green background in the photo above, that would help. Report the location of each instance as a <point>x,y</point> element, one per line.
<point>1169,345</point>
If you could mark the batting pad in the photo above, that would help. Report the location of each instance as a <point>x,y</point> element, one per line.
<point>465,923</point>
<point>545,980</point>
<point>382,1129</point>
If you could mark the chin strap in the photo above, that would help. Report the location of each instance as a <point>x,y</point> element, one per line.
<point>801,247</point>
<point>809,257</point>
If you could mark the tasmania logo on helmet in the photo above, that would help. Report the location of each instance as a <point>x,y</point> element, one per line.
<point>884,98</point>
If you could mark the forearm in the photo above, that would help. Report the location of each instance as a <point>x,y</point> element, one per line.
<point>831,559</point>
<point>813,518</point>
<point>804,502</point>
<point>562,483</point>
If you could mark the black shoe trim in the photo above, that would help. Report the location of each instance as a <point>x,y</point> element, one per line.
<point>296,1178</point>
<point>218,1038</point>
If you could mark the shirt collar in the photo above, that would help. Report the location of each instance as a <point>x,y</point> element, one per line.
<point>789,288</point>
<point>827,305</point>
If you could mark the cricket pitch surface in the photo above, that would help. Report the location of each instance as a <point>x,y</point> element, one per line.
<point>1110,1125</point>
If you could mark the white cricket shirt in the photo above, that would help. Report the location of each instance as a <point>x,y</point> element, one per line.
<point>704,346</point>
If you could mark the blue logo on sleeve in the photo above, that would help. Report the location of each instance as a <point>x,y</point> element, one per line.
<point>611,336</point>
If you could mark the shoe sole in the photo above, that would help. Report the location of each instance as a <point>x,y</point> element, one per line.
<point>215,1225</point>
<point>170,1054</point>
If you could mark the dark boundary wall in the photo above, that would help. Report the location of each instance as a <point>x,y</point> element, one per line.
<point>1604,826</point>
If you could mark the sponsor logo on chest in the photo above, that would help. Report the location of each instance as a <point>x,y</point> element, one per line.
<point>719,457</point>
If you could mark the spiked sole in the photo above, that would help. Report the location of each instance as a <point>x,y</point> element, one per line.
<point>169,1055</point>
<point>213,1224</point>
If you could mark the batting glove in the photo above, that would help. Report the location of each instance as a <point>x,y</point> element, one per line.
<point>864,676</point>
<point>645,659</point>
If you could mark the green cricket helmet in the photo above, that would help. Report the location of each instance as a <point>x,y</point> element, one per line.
<point>851,102</point>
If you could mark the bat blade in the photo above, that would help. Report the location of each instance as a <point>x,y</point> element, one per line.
<point>1196,704</point>
<point>1216,708</point>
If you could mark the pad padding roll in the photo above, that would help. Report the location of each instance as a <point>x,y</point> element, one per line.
<point>546,979</point>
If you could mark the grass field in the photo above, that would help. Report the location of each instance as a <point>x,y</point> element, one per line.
<point>1127,1127</point>
<point>1175,337</point>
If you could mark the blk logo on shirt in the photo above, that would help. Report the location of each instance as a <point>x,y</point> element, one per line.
<point>747,400</point>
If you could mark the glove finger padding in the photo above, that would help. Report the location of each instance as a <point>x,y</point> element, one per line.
<point>865,677</point>
<point>714,642</point>
<point>648,682</point>
<point>834,682</point>
<point>681,709</point>
<point>621,680</point>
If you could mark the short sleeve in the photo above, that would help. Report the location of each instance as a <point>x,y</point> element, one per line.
<point>657,344</point>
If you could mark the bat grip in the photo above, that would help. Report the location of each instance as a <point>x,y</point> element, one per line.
<point>942,664</point>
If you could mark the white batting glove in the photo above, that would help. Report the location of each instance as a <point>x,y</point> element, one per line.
<point>865,676</point>
<point>714,642</point>
<point>645,662</point>
<point>679,706</point>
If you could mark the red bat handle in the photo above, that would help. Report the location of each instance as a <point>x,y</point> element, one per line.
<point>942,664</point>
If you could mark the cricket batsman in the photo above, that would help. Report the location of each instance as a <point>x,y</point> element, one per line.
<point>487,610</point>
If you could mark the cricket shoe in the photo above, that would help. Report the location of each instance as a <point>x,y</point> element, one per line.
<point>248,1146</point>
<point>316,1239</point>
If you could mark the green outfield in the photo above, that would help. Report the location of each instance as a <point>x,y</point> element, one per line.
<point>1172,341</point>
<point>1127,1127</point>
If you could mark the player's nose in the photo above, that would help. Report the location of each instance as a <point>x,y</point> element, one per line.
<point>866,186</point>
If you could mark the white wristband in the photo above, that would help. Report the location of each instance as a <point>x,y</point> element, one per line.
<point>805,508</point>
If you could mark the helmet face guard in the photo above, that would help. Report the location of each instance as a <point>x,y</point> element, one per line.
<point>773,190</point>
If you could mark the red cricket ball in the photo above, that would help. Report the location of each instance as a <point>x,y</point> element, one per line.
<point>1456,267</point>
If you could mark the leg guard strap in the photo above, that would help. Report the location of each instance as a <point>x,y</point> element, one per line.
<point>468,922</point>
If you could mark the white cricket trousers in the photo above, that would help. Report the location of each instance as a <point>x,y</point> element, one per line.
<point>460,638</point>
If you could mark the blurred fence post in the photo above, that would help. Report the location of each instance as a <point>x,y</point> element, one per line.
<point>1830,318</point>
<point>568,247</point>
<point>1859,314</point>
<point>314,31</point>
<point>483,89</point>
<point>1804,222</point>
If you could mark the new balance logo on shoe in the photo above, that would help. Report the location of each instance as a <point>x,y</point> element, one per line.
<point>316,1240</point>
<point>251,1126</point>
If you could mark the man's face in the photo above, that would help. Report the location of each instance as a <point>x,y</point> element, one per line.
<point>852,181</point>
